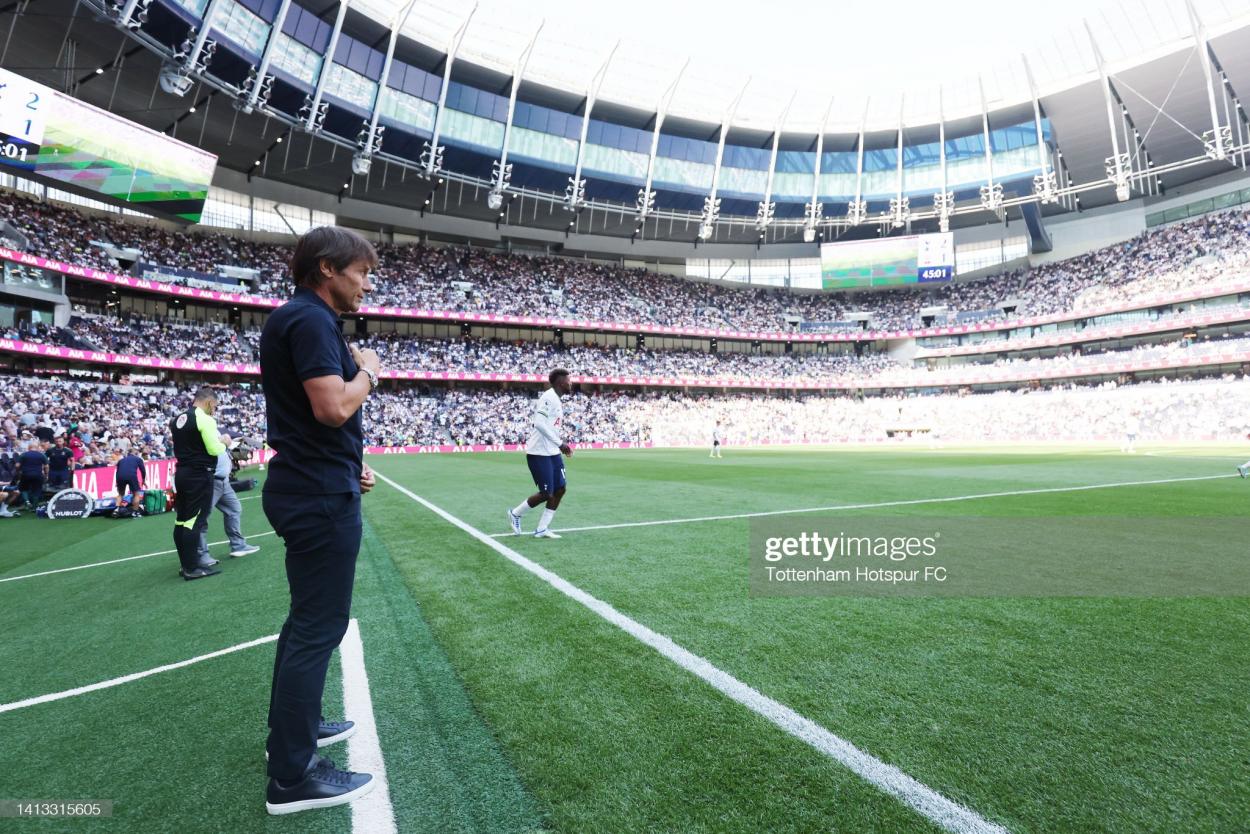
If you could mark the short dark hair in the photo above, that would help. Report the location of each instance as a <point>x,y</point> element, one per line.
<point>341,247</point>
<point>556,374</point>
<point>205,392</point>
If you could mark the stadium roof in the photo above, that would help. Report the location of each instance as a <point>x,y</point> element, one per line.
<point>1156,77</point>
<point>855,55</point>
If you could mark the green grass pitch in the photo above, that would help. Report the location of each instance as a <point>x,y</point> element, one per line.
<point>503,705</point>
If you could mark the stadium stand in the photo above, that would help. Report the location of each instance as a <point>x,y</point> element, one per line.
<point>1200,253</point>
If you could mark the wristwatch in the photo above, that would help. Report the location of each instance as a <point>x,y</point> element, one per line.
<point>373,378</point>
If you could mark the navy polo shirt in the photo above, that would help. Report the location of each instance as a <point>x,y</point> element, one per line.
<point>32,464</point>
<point>128,468</point>
<point>303,339</point>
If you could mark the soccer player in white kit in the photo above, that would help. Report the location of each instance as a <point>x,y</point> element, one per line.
<point>543,455</point>
<point>1131,427</point>
<point>716,441</point>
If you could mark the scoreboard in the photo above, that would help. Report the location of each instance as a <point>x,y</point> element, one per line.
<point>23,105</point>
<point>887,262</point>
<point>56,138</point>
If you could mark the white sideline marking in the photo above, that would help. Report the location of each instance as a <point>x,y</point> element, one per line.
<point>115,561</point>
<point>81,690</point>
<point>372,814</point>
<point>928,802</point>
<point>905,503</point>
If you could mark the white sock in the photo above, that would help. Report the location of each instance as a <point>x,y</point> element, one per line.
<point>545,521</point>
<point>521,509</point>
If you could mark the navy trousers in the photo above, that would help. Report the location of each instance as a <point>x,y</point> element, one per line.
<point>322,537</point>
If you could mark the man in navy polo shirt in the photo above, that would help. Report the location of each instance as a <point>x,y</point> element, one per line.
<point>33,469</point>
<point>315,384</point>
<point>129,480</point>
<point>60,465</point>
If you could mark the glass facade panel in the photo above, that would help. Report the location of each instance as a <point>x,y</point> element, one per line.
<point>965,171</point>
<point>350,86</point>
<point>610,163</point>
<point>881,184</point>
<point>742,181</point>
<point>195,7</point>
<point>770,273</point>
<point>475,131</point>
<point>226,210</point>
<point>543,147</point>
<point>407,111</point>
<point>970,257</point>
<point>231,210</point>
<point>798,186</point>
<point>837,187</point>
<point>965,147</point>
<point>805,274</point>
<point>683,175</point>
<point>297,60</point>
<point>241,26</point>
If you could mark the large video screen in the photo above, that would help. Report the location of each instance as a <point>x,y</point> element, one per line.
<point>57,137</point>
<point>887,262</point>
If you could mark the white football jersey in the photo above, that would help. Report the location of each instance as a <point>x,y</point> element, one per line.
<point>548,414</point>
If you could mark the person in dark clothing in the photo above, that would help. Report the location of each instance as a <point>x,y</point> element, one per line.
<point>130,475</point>
<point>33,472</point>
<point>60,465</point>
<point>8,467</point>
<point>315,384</point>
<point>196,447</point>
<point>9,492</point>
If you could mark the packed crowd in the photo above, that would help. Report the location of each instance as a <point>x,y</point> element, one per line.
<point>1109,327</point>
<point>104,422</point>
<point>1180,351</point>
<point>1203,251</point>
<point>203,341</point>
<point>101,423</point>
<point>220,342</point>
<point>1166,410</point>
<point>494,356</point>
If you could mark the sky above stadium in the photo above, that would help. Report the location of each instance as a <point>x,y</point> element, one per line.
<point>882,56</point>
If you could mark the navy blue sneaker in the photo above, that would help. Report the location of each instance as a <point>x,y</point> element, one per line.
<point>323,786</point>
<point>197,573</point>
<point>332,732</point>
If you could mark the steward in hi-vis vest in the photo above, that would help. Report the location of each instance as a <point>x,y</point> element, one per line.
<point>196,447</point>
